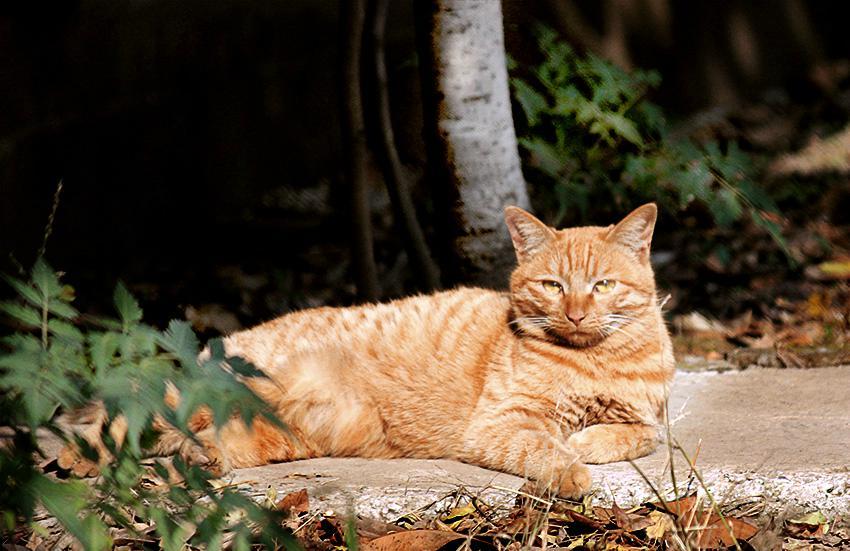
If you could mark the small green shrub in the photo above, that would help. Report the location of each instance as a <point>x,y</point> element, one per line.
<point>593,139</point>
<point>55,361</point>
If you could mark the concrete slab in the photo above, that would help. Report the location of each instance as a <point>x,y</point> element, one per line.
<point>773,438</point>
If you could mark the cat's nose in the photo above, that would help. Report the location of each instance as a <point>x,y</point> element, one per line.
<point>576,319</point>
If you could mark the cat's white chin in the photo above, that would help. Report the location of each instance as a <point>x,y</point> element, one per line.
<point>581,339</point>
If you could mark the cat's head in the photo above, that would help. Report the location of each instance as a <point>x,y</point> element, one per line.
<point>581,285</point>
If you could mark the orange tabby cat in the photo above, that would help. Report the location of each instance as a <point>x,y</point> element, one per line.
<point>572,366</point>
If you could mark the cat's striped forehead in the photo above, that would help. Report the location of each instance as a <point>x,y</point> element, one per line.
<point>584,251</point>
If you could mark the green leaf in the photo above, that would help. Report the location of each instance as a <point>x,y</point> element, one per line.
<point>127,306</point>
<point>775,232</point>
<point>22,342</point>
<point>244,368</point>
<point>813,519</point>
<point>725,208</point>
<point>712,150</point>
<point>624,127</point>
<point>684,151</point>
<point>757,195</point>
<point>241,541</point>
<point>65,500</point>
<point>172,536</point>
<point>23,314</point>
<point>570,102</point>
<point>138,415</point>
<point>694,183</point>
<point>45,279</point>
<point>653,116</point>
<point>65,330</point>
<point>39,408</point>
<point>139,341</point>
<point>532,102</point>
<point>547,158</point>
<point>61,309</point>
<point>24,360</point>
<point>45,289</point>
<point>180,340</point>
<point>25,290</point>
<point>216,349</point>
<point>103,347</point>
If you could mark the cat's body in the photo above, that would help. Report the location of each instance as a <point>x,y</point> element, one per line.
<point>509,381</point>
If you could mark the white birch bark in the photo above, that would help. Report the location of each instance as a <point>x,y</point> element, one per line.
<point>477,130</point>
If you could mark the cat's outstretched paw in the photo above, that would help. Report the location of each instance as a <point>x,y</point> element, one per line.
<point>205,453</point>
<point>614,442</point>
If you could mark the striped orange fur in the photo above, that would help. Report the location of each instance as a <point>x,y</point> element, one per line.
<point>571,366</point>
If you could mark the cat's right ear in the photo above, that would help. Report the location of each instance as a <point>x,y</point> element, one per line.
<point>528,233</point>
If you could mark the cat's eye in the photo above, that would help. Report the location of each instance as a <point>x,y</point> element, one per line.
<point>604,286</point>
<point>552,286</point>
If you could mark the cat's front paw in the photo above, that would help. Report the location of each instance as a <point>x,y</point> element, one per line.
<point>571,482</point>
<point>575,481</point>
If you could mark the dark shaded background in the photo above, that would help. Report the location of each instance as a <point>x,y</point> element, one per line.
<point>199,142</point>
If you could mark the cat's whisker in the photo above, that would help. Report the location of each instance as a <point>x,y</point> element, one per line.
<point>612,322</point>
<point>628,330</point>
<point>531,323</point>
<point>528,319</point>
<point>619,317</point>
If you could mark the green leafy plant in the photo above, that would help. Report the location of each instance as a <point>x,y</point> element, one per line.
<point>55,361</point>
<point>593,139</point>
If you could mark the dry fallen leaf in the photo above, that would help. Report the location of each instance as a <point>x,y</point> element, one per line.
<point>422,540</point>
<point>294,503</point>
<point>708,527</point>
<point>834,270</point>
<point>811,525</point>
<point>621,518</point>
<point>369,528</point>
<point>458,514</point>
<point>683,507</point>
<point>661,525</point>
<point>695,322</point>
<point>627,521</point>
<point>716,535</point>
<point>815,517</point>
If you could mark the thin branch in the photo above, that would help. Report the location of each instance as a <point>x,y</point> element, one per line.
<point>48,229</point>
<point>394,176</point>
<point>353,15</point>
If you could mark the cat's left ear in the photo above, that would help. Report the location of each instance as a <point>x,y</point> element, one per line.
<point>528,234</point>
<point>635,230</point>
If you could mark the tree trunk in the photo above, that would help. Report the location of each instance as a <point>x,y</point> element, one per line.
<point>473,145</point>
<point>353,15</point>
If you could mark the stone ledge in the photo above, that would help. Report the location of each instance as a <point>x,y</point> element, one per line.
<point>775,437</point>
